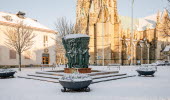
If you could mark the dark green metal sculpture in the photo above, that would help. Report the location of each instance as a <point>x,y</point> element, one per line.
<point>76,46</point>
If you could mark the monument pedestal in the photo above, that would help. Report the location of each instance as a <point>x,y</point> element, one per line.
<point>80,70</point>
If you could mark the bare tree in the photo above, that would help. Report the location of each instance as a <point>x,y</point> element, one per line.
<point>166,24</point>
<point>165,27</point>
<point>64,27</point>
<point>59,45</point>
<point>19,38</point>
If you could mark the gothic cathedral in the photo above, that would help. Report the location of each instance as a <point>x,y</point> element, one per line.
<point>110,41</point>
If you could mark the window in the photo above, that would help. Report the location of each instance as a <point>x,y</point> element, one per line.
<point>45,41</point>
<point>12,54</point>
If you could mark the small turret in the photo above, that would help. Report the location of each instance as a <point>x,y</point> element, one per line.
<point>165,13</point>
<point>158,17</point>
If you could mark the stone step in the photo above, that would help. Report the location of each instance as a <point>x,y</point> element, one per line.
<point>40,79</point>
<point>57,77</point>
<point>108,75</point>
<point>51,73</point>
<point>98,76</point>
<point>44,76</point>
<point>102,73</point>
<point>111,78</point>
<point>94,80</point>
<point>91,74</point>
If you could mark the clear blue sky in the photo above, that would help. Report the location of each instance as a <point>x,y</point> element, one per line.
<point>47,11</point>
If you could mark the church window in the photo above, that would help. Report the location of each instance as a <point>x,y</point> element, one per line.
<point>45,40</point>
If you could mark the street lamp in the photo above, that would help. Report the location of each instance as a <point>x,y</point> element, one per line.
<point>131,37</point>
<point>103,42</point>
<point>103,35</point>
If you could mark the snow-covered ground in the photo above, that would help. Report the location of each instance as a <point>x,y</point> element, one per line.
<point>133,88</point>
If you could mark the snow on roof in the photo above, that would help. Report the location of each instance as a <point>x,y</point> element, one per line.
<point>142,24</point>
<point>75,36</point>
<point>167,48</point>
<point>14,19</point>
<point>147,22</point>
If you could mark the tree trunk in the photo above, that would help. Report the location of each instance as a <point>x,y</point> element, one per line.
<point>19,61</point>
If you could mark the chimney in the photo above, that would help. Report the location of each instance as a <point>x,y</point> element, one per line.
<point>20,14</point>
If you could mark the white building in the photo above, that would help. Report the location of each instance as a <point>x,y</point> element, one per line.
<point>43,50</point>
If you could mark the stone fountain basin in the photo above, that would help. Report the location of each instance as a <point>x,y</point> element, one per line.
<point>7,74</point>
<point>75,85</point>
<point>145,73</point>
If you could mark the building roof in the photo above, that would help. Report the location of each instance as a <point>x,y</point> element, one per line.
<point>14,19</point>
<point>142,24</point>
<point>147,22</point>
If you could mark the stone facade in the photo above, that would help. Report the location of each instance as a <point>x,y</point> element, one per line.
<point>42,49</point>
<point>100,20</point>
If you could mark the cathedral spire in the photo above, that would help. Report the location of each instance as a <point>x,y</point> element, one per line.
<point>115,11</point>
<point>92,7</point>
<point>103,14</point>
<point>165,12</point>
<point>158,16</point>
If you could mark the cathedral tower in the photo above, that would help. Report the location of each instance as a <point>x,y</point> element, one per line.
<point>99,19</point>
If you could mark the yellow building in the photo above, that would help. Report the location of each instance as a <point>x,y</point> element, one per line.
<point>110,34</point>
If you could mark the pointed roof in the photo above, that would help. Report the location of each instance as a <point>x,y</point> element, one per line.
<point>92,7</point>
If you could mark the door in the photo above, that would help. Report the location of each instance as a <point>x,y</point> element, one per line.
<point>45,58</point>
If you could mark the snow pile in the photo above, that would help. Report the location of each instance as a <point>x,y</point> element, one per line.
<point>70,36</point>
<point>150,68</point>
<point>75,77</point>
<point>6,70</point>
<point>161,63</point>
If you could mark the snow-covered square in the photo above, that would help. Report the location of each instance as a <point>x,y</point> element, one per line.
<point>132,88</point>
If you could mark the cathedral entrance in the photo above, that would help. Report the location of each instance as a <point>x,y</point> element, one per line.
<point>45,58</point>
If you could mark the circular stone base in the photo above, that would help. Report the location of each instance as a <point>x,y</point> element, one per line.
<point>80,70</point>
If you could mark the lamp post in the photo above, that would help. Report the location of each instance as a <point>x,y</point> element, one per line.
<point>103,39</point>
<point>131,36</point>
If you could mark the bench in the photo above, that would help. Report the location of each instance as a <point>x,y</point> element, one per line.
<point>53,66</point>
<point>113,66</point>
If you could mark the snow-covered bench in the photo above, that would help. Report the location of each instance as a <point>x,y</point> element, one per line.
<point>113,66</point>
<point>53,66</point>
